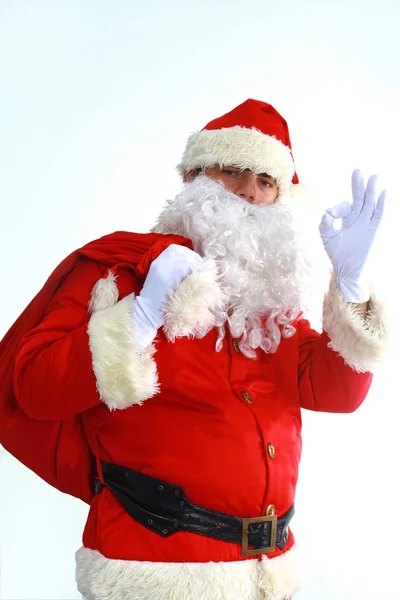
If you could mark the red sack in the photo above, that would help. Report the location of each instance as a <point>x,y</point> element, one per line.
<point>45,446</point>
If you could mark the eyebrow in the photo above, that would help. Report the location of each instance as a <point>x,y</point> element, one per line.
<point>238,169</point>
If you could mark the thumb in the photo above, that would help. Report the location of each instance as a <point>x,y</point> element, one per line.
<point>326,224</point>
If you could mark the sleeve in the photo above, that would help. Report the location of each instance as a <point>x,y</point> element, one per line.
<point>336,366</point>
<point>53,375</point>
<point>73,360</point>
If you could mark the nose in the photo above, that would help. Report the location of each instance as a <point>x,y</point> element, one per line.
<point>246,189</point>
<point>246,197</point>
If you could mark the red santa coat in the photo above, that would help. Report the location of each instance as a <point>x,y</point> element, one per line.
<point>58,450</point>
<point>225,428</point>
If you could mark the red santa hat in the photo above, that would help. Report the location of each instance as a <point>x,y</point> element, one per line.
<point>251,136</point>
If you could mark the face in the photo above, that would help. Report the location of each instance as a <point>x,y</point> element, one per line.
<point>254,188</point>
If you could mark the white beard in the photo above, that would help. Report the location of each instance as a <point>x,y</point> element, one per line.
<point>258,258</point>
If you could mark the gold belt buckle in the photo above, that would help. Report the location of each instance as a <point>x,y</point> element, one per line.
<point>273,519</point>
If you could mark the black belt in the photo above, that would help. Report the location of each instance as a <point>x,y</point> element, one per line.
<point>164,509</point>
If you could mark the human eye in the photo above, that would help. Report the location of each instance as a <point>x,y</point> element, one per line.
<point>229,172</point>
<point>265,183</point>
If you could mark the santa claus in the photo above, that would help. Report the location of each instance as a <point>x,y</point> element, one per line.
<point>160,377</point>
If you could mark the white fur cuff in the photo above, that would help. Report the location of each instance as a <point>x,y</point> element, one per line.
<point>360,342</point>
<point>189,308</point>
<point>266,579</point>
<point>125,375</point>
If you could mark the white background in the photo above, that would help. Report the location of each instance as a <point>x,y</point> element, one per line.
<point>96,101</point>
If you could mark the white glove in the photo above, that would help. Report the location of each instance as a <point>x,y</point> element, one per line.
<point>348,248</point>
<point>173,265</point>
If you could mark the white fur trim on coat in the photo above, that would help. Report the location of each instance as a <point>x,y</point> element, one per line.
<point>240,147</point>
<point>99,578</point>
<point>361,342</point>
<point>189,308</point>
<point>125,375</point>
<point>104,293</point>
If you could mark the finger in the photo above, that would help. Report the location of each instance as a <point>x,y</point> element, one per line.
<point>187,263</point>
<point>358,189</point>
<point>379,209</point>
<point>340,211</point>
<point>184,254</point>
<point>370,197</point>
<point>178,250</point>
<point>326,225</point>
